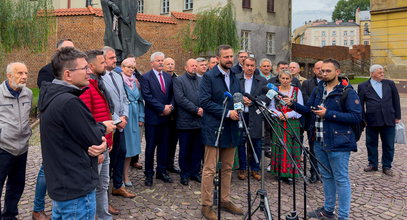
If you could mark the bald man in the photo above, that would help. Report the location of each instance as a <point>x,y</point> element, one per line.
<point>295,70</point>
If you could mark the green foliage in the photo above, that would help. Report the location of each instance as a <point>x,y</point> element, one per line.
<point>345,9</point>
<point>213,27</point>
<point>25,24</point>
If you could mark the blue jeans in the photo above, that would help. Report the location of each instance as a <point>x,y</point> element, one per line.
<point>336,181</point>
<point>387,135</point>
<point>257,144</point>
<point>40,191</point>
<point>80,208</point>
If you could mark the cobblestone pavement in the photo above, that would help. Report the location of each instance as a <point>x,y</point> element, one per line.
<point>375,196</point>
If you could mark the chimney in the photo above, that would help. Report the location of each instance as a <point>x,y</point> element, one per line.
<point>351,21</point>
<point>338,22</point>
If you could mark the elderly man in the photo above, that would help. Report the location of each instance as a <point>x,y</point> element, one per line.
<point>156,88</point>
<point>307,87</point>
<point>213,61</point>
<point>189,114</point>
<point>15,102</point>
<point>202,66</point>
<point>70,165</point>
<point>169,67</point>
<point>266,68</point>
<point>241,56</point>
<point>295,71</point>
<point>381,111</point>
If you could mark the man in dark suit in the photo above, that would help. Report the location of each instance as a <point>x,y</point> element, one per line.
<point>252,84</point>
<point>307,87</point>
<point>381,111</point>
<point>211,95</point>
<point>156,87</point>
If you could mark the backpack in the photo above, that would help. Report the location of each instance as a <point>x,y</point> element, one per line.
<point>358,127</point>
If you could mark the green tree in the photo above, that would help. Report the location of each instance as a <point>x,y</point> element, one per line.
<point>345,9</point>
<point>212,28</point>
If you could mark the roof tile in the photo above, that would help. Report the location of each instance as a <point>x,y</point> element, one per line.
<point>183,15</point>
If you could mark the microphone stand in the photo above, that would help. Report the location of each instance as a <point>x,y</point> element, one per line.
<point>217,179</point>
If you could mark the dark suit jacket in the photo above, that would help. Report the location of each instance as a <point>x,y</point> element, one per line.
<point>45,74</point>
<point>154,98</point>
<point>377,111</point>
<point>307,87</point>
<point>255,120</point>
<point>237,69</point>
<point>211,96</point>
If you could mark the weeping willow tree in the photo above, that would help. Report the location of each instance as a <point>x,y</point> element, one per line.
<point>25,24</point>
<point>212,28</point>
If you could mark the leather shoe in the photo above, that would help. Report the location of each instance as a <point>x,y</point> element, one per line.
<point>184,181</point>
<point>208,212</point>
<point>173,169</point>
<point>232,208</point>
<point>241,174</point>
<point>137,166</point>
<point>123,192</point>
<point>40,216</point>
<point>256,175</point>
<point>370,169</point>
<point>164,177</point>
<point>313,178</point>
<point>148,181</point>
<point>196,178</point>
<point>388,171</point>
<point>113,211</point>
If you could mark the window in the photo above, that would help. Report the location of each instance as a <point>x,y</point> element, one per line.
<point>366,42</point>
<point>345,43</point>
<point>188,4</point>
<point>366,29</point>
<point>345,33</point>
<point>323,43</point>
<point>246,4</point>
<point>270,5</point>
<point>245,40</point>
<point>323,33</point>
<point>351,42</point>
<point>165,6</point>
<point>333,33</point>
<point>270,43</point>
<point>140,6</point>
<point>333,42</point>
<point>352,33</point>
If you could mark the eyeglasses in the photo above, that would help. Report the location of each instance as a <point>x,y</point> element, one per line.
<point>130,67</point>
<point>86,68</point>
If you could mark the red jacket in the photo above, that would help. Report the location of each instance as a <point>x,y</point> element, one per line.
<point>98,105</point>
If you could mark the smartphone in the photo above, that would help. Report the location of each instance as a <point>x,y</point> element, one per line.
<point>314,108</point>
<point>118,121</point>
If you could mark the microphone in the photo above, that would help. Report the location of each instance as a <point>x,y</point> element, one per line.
<point>272,94</point>
<point>275,88</point>
<point>238,106</point>
<point>226,95</point>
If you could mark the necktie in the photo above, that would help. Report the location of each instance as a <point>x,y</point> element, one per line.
<point>114,82</point>
<point>162,82</point>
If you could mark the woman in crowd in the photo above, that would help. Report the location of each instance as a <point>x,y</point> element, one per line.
<point>136,115</point>
<point>288,128</point>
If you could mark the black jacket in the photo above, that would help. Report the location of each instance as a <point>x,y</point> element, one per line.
<point>378,111</point>
<point>255,120</point>
<point>45,74</point>
<point>67,129</point>
<point>187,99</point>
<point>307,87</point>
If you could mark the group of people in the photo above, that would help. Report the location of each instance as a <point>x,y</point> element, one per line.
<point>93,113</point>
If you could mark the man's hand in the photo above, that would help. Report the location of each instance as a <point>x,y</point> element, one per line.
<point>200,112</point>
<point>96,150</point>
<point>321,112</point>
<point>109,126</point>
<point>101,158</point>
<point>122,124</point>
<point>233,115</point>
<point>397,120</point>
<point>247,101</point>
<point>167,109</point>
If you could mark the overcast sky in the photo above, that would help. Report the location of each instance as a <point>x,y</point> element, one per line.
<point>305,10</point>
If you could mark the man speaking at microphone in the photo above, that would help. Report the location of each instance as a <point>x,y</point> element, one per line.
<point>211,95</point>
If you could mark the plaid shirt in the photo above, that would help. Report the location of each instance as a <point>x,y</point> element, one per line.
<point>319,122</point>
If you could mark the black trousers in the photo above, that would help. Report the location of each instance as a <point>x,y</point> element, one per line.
<point>172,143</point>
<point>13,168</point>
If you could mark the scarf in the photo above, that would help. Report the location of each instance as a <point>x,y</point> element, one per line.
<point>129,80</point>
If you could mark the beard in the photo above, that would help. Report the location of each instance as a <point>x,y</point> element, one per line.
<point>18,86</point>
<point>224,65</point>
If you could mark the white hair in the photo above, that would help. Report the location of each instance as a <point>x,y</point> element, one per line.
<point>265,60</point>
<point>11,66</point>
<point>106,49</point>
<point>375,67</point>
<point>298,65</point>
<point>155,54</point>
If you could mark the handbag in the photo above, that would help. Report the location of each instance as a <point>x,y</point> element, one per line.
<point>400,134</point>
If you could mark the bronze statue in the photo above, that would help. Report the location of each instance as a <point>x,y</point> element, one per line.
<point>120,30</point>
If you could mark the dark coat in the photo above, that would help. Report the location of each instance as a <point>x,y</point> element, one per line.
<point>295,82</point>
<point>187,99</point>
<point>211,96</point>
<point>255,120</point>
<point>45,74</point>
<point>69,170</point>
<point>155,100</point>
<point>237,69</point>
<point>377,111</point>
<point>338,134</point>
<point>307,87</point>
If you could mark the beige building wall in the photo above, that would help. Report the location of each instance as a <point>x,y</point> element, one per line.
<point>314,36</point>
